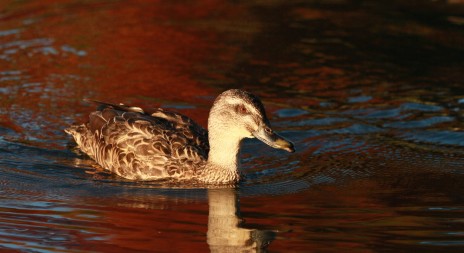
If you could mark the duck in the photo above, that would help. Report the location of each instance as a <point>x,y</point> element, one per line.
<point>157,144</point>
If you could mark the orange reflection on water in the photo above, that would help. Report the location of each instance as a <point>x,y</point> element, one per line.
<point>145,53</point>
<point>176,228</point>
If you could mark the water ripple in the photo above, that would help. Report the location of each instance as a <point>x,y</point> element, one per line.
<point>422,123</point>
<point>439,137</point>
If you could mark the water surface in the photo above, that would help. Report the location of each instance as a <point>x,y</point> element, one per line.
<point>372,94</point>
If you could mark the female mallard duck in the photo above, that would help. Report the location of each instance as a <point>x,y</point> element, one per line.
<point>156,144</point>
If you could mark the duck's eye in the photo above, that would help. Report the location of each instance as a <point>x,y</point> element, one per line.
<point>241,109</point>
<point>268,130</point>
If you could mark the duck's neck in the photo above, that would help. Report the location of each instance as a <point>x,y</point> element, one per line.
<point>224,152</point>
<point>223,158</point>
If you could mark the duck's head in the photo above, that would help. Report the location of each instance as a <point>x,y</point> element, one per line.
<point>237,114</point>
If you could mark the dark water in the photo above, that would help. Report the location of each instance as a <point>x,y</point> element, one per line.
<point>372,94</point>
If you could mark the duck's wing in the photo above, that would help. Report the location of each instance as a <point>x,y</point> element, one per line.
<point>143,144</point>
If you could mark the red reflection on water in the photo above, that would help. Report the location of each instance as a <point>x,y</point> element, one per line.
<point>328,217</point>
<point>164,228</point>
<point>145,53</point>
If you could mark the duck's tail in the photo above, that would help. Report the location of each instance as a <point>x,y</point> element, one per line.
<point>80,133</point>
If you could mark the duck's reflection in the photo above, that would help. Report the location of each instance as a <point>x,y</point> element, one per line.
<point>167,220</point>
<point>225,233</point>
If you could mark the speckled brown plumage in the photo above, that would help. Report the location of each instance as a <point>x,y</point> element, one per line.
<point>146,145</point>
<point>156,144</point>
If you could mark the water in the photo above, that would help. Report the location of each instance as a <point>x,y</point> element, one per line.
<point>371,93</point>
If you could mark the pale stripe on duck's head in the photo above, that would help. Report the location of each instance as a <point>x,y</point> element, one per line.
<point>242,114</point>
<point>243,103</point>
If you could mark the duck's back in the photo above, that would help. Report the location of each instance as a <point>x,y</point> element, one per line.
<point>145,145</point>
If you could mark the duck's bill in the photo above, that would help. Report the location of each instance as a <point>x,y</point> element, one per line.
<point>274,140</point>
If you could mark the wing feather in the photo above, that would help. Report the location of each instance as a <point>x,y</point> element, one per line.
<point>144,144</point>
